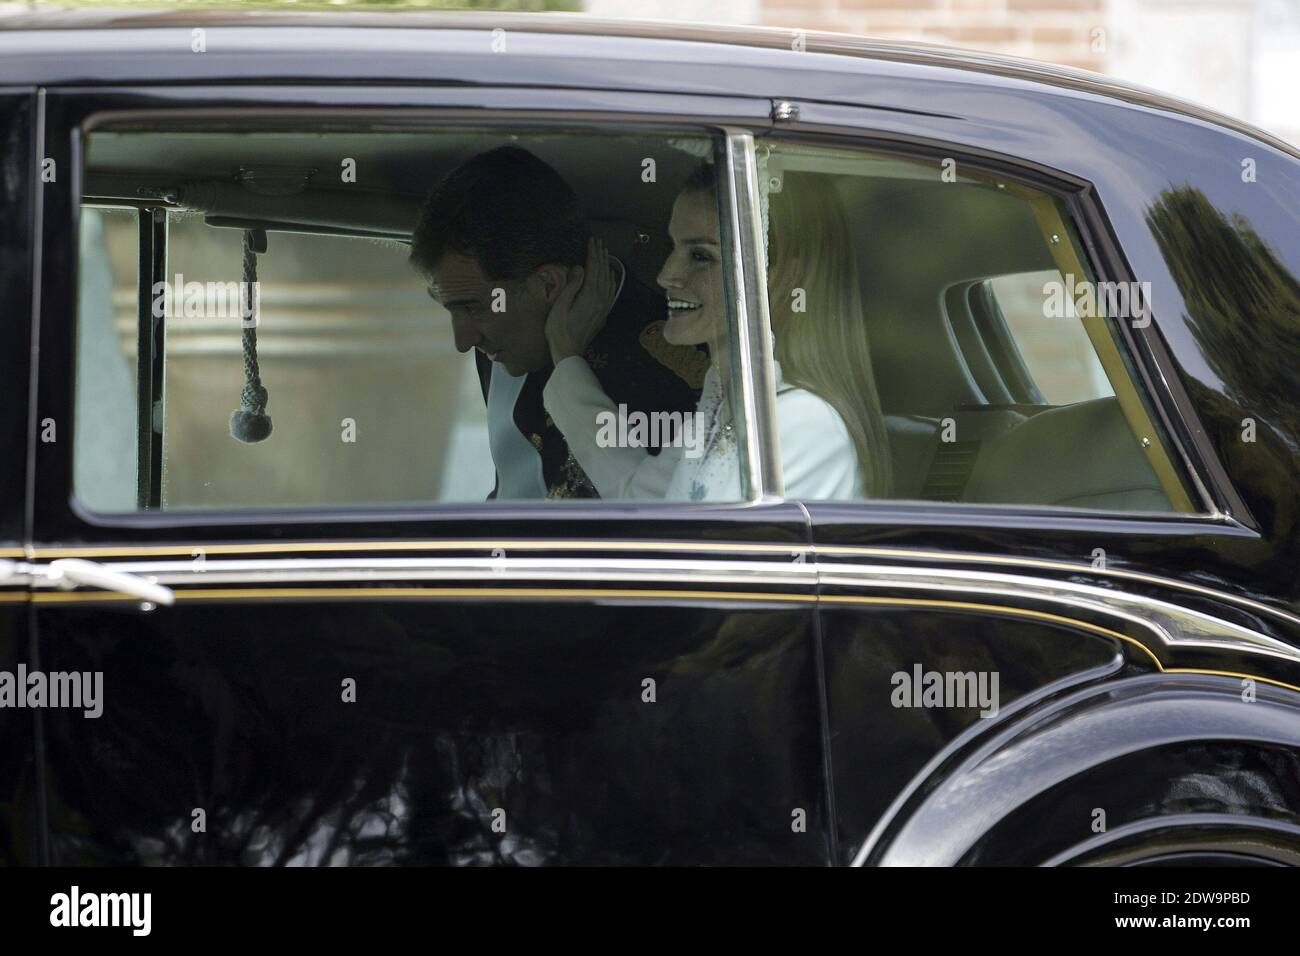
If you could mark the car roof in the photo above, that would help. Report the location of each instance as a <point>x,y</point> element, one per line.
<point>73,23</point>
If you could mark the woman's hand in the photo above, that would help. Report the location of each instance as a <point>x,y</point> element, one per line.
<point>582,306</point>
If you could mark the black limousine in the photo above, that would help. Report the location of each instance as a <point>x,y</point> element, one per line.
<point>476,439</point>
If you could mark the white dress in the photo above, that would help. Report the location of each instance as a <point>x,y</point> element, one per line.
<point>817,455</point>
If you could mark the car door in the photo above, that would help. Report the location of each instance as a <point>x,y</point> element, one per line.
<point>1004,641</point>
<point>468,683</point>
<point>19,843</point>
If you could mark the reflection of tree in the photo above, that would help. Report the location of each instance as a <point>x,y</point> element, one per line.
<point>1243,303</point>
<point>460,714</point>
<point>1243,307</point>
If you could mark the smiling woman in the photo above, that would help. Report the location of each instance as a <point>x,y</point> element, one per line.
<point>820,453</point>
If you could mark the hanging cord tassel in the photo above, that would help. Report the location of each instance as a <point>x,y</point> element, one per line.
<point>250,423</point>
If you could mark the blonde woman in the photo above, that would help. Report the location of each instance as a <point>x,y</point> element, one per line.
<point>830,428</point>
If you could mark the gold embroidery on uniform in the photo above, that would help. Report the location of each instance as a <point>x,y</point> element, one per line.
<point>573,482</point>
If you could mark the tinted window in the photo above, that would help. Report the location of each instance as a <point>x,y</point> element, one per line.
<point>935,342</point>
<point>330,328</point>
<point>1058,359</point>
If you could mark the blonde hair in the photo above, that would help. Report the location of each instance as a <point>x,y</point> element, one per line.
<point>824,348</point>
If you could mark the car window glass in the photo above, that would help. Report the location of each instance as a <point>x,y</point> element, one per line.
<point>333,329</point>
<point>104,464</point>
<point>934,342</point>
<point>1058,356</point>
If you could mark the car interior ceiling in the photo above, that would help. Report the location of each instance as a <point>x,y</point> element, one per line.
<point>301,188</point>
<point>914,240</point>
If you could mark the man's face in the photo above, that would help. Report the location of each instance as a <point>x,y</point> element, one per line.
<point>505,319</point>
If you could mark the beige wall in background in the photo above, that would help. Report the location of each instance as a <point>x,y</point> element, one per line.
<point>1062,31</point>
<point>374,349</point>
<point>1241,57</point>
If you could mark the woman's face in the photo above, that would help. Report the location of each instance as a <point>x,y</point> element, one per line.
<point>692,276</point>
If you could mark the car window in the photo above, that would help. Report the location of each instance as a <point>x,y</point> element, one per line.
<point>381,317</point>
<point>1059,362</point>
<point>934,342</point>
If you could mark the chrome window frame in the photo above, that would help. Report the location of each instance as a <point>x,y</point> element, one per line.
<point>743,205</point>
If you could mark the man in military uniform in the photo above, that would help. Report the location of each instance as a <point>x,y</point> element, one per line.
<point>499,239</point>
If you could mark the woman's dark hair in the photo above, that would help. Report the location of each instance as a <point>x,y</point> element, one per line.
<point>507,209</point>
<point>703,178</point>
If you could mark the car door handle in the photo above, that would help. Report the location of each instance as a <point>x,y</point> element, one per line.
<point>74,572</point>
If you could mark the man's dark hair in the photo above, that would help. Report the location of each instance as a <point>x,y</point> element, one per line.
<point>506,208</point>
